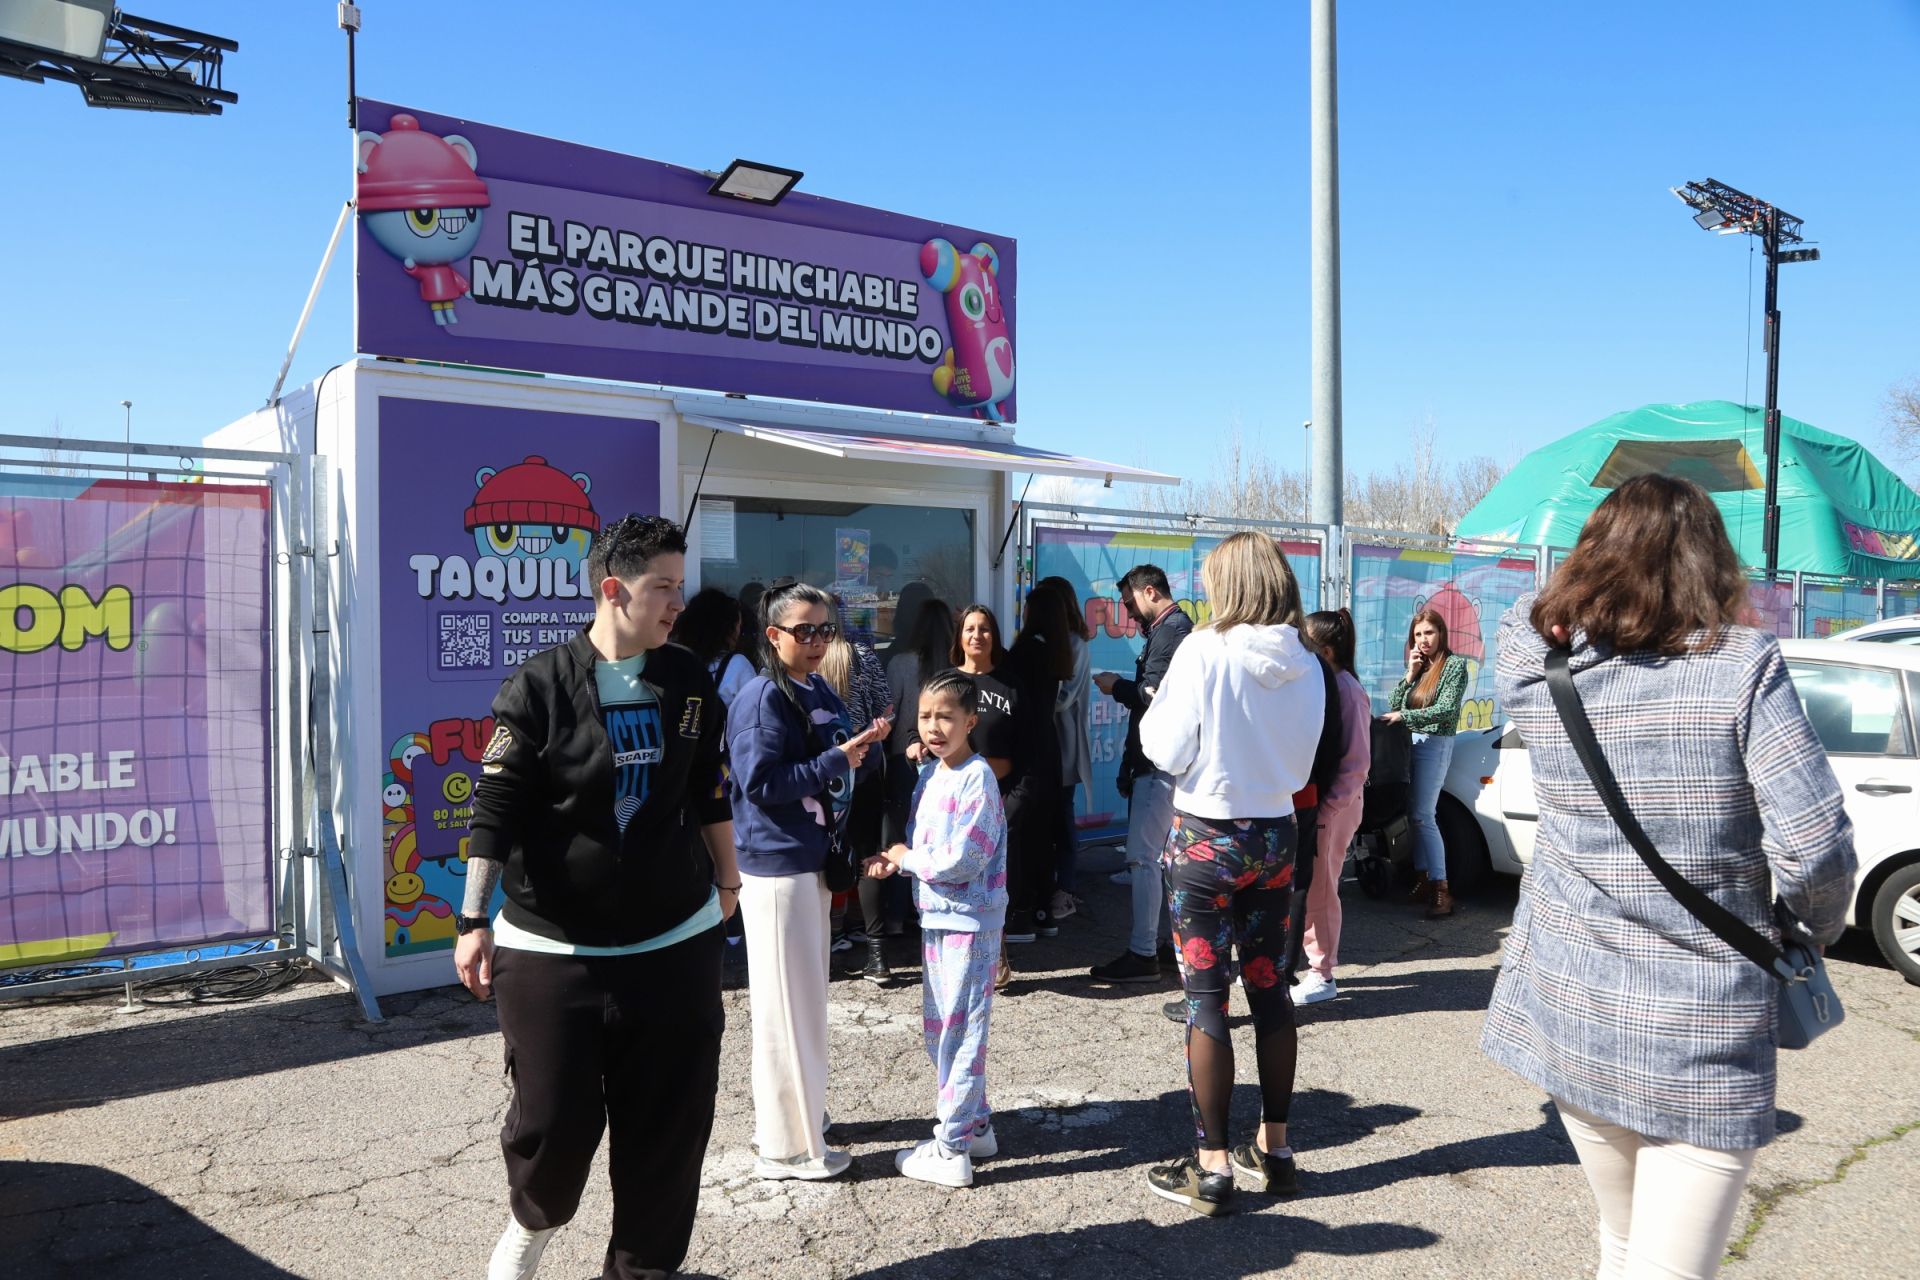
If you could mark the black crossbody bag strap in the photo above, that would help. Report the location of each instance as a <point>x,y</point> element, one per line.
<point>1732,930</point>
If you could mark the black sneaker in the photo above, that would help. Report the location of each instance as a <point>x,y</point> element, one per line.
<point>1274,1175</point>
<point>1019,926</point>
<point>1176,1010</point>
<point>876,970</point>
<point>1045,925</point>
<point>1185,1182</point>
<point>1128,967</point>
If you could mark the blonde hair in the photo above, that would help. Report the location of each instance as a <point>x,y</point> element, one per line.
<point>1249,581</point>
<point>837,665</point>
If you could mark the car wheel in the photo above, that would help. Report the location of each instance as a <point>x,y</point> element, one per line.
<point>1468,864</point>
<point>1896,921</point>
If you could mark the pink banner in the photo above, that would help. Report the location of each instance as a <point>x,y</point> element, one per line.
<point>135,740</point>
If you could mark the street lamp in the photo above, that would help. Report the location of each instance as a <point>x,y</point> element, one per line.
<point>1725,211</point>
<point>1306,474</point>
<point>128,406</point>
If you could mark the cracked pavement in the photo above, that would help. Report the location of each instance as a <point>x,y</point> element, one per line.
<point>286,1138</point>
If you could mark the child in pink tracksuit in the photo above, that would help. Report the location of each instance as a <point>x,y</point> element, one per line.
<point>956,851</point>
<point>1330,634</point>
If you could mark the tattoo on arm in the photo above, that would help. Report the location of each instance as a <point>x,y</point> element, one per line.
<point>482,875</point>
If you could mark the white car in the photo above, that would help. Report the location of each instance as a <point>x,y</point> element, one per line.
<point>1861,698</point>
<point>1900,630</point>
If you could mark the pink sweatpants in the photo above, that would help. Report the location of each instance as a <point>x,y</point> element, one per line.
<point>1320,941</point>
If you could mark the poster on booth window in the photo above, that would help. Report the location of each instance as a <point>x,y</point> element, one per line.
<point>1094,561</point>
<point>486,517</point>
<point>135,744</point>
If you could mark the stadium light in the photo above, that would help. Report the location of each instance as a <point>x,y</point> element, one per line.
<point>765,184</point>
<point>116,59</point>
<point>1726,210</point>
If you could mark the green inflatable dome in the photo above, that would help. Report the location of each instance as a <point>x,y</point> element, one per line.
<point>1842,511</point>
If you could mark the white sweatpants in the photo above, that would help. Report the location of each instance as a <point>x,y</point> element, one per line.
<point>1665,1206</point>
<point>785,921</point>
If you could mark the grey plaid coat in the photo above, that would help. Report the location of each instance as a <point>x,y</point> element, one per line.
<point>1611,995</point>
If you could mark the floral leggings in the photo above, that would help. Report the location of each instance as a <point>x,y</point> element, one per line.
<point>1230,889</point>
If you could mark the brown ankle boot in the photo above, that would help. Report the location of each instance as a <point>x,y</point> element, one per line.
<point>1442,901</point>
<point>1422,890</point>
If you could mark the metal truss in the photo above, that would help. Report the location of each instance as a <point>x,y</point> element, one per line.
<point>145,66</point>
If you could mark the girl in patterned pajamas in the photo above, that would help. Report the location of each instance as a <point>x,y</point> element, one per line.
<point>956,851</point>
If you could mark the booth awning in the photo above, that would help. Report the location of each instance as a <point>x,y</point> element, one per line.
<point>981,455</point>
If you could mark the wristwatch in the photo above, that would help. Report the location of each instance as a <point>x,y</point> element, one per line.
<point>464,925</point>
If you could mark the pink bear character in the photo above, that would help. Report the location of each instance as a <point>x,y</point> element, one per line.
<point>977,371</point>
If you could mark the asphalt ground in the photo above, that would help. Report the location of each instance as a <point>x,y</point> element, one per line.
<point>285,1137</point>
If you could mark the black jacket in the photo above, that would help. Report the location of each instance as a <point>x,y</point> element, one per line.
<point>1149,671</point>
<point>545,803</point>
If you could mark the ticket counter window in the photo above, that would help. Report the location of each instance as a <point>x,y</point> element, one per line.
<point>869,554</point>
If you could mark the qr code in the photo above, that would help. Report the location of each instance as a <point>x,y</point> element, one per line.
<point>466,641</point>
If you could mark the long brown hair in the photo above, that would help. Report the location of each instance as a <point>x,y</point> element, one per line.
<point>1047,622</point>
<point>1653,567</point>
<point>1423,693</point>
<point>1076,617</point>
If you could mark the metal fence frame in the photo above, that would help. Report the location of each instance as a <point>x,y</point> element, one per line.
<point>300,544</point>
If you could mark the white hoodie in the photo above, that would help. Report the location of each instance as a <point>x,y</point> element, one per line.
<point>1236,721</point>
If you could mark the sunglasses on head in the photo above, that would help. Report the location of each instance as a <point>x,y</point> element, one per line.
<point>808,632</point>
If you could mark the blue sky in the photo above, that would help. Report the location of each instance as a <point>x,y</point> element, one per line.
<point>1514,266</point>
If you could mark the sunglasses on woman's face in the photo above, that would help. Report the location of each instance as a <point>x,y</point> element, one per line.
<point>808,632</point>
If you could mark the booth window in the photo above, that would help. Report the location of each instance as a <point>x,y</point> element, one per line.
<point>868,554</point>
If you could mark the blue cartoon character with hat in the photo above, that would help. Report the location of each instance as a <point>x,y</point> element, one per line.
<point>422,201</point>
<point>532,510</point>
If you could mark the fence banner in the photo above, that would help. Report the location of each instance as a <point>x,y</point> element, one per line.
<point>1471,592</point>
<point>1772,607</point>
<point>1835,608</point>
<point>486,515</point>
<point>135,730</point>
<point>1902,599</point>
<point>1094,560</point>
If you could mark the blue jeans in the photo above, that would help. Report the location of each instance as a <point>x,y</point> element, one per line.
<point>1432,753</point>
<point>1149,819</point>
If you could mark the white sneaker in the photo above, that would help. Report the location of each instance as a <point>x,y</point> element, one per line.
<point>1313,988</point>
<point>517,1256</point>
<point>831,1165</point>
<point>985,1145</point>
<point>930,1162</point>
<point>1062,905</point>
<point>1122,876</point>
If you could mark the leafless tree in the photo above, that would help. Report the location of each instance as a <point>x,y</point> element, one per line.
<point>1418,493</point>
<point>1903,421</point>
<point>54,460</point>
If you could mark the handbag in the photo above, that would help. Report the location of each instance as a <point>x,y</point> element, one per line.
<point>1809,1005</point>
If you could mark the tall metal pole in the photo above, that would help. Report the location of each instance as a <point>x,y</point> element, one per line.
<point>1327,481</point>
<point>1770,530</point>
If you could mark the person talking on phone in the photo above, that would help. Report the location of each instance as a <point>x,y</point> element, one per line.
<point>795,762</point>
<point>1427,700</point>
<point>1149,790</point>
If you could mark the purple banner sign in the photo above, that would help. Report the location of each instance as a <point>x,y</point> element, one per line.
<point>485,246</point>
<point>134,724</point>
<point>483,549</point>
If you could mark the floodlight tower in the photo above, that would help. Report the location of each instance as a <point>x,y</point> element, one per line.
<point>1727,212</point>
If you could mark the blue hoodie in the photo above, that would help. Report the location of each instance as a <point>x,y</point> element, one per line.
<point>785,790</point>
